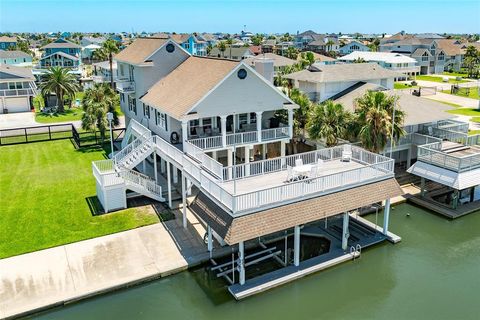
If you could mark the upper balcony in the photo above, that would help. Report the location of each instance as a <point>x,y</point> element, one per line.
<point>460,156</point>
<point>18,92</point>
<point>125,85</point>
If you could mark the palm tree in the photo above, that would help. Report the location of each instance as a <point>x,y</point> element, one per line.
<point>108,49</point>
<point>59,81</point>
<point>97,102</point>
<point>308,58</point>
<point>222,47</point>
<point>300,114</point>
<point>374,113</point>
<point>328,121</point>
<point>291,53</point>
<point>329,45</point>
<point>230,43</point>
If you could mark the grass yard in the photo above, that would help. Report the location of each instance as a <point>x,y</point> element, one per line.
<point>401,86</point>
<point>475,119</point>
<point>44,190</point>
<point>466,112</point>
<point>473,132</point>
<point>70,114</point>
<point>437,79</point>
<point>456,74</point>
<point>473,93</point>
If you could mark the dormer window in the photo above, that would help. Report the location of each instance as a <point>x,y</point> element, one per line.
<point>170,48</point>
<point>242,74</point>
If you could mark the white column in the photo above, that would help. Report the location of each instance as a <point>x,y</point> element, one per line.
<point>296,246</point>
<point>184,201</point>
<point>169,186</point>
<point>409,157</point>
<point>290,123</point>
<point>189,187</point>
<point>264,151</point>
<point>175,174</point>
<point>209,240</point>
<point>259,126</point>
<point>386,216</point>
<point>155,173</point>
<point>241,262</point>
<point>144,166</point>
<point>214,155</point>
<point>223,124</point>
<point>184,130</point>
<point>229,162</point>
<point>282,152</point>
<point>345,233</point>
<point>162,165</point>
<point>247,160</point>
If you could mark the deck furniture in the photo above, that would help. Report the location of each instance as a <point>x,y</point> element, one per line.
<point>298,162</point>
<point>303,171</point>
<point>347,152</point>
<point>291,176</point>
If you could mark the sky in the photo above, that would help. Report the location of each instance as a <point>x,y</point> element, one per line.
<point>267,16</point>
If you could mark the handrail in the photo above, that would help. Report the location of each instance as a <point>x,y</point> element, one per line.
<point>432,153</point>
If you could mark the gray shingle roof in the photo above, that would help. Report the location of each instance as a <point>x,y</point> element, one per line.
<point>343,72</point>
<point>14,54</point>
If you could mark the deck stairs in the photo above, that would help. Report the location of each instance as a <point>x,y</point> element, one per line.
<point>141,184</point>
<point>134,153</point>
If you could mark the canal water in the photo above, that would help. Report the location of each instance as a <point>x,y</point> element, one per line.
<point>434,273</point>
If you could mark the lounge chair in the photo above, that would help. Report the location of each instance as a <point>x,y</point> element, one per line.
<point>290,175</point>
<point>347,152</point>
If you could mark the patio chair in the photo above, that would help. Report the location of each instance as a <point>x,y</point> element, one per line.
<point>430,131</point>
<point>290,175</point>
<point>298,162</point>
<point>347,152</point>
<point>313,172</point>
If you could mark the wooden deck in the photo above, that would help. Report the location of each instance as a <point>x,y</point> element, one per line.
<point>443,210</point>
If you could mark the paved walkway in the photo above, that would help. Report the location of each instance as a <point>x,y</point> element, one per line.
<point>51,277</point>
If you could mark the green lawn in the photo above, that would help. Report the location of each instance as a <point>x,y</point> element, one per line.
<point>466,112</point>
<point>44,191</point>
<point>401,86</point>
<point>70,114</point>
<point>473,132</point>
<point>437,79</point>
<point>475,119</point>
<point>456,74</point>
<point>472,93</point>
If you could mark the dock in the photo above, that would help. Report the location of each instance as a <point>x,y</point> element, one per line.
<point>445,211</point>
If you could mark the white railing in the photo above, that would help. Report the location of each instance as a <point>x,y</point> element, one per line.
<point>239,138</point>
<point>17,92</point>
<point>242,138</point>
<point>140,131</point>
<point>421,139</point>
<point>139,179</point>
<point>125,86</point>
<point>206,161</point>
<point>213,142</point>
<point>276,133</point>
<point>293,190</point>
<point>104,172</point>
<point>432,153</point>
<point>453,125</point>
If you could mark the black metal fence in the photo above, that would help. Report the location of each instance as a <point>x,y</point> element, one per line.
<point>57,132</point>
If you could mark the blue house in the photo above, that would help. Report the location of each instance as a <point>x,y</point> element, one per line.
<point>7,42</point>
<point>191,43</point>
<point>61,53</point>
<point>15,58</point>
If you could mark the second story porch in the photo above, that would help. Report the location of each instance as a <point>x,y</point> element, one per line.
<point>225,131</point>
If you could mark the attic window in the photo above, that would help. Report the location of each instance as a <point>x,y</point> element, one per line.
<point>170,48</point>
<point>242,73</point>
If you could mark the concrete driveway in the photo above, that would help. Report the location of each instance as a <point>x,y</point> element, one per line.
<point>445,97</point>
<point>17,120</point>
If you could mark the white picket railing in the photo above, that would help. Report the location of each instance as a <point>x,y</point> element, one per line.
<point>141,180</point>
<point>242,138</point>
<point>276,133</point>
<point>432,153</point>
<point>213,142</point>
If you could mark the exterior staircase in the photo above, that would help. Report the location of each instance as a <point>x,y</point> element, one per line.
<point>141,184</point>
<point>134,153</point>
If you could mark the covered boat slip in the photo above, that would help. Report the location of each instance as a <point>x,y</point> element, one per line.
<point>454,171</point>
<point>289,226</point>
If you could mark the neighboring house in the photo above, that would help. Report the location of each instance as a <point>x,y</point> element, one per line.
<point>352,47</point>
<point>191,43</point>
<point>256,50</point>
<point>7,42</point>
<point>323,44</point>
<point>92,40</point>
<point>389,60</point>
<point>88,52</point>
<point>279,62</point>
<point>17,89</point>
<point>269,45</point>
<point>323,82</point>
<point>429,55</point>
<point>321,59</point>
<point>208,128</point>
<point>232,53</point>
<point>210,39</point>
<point>101,71</point>
<point>62,53</point>
<point>454,53</point>
<point>15,58</point>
